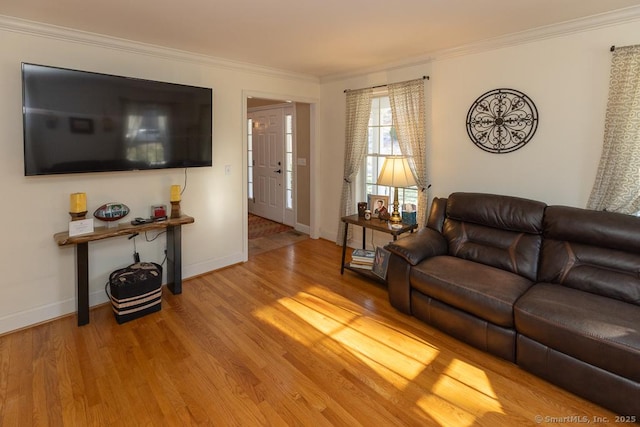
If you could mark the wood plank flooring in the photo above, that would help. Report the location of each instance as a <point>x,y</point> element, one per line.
<point>282,340</point>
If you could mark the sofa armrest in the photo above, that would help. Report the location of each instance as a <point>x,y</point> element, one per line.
<point>398,285</point>
<point>419,246</point>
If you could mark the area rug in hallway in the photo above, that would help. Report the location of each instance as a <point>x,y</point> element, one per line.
<point>262,227</point>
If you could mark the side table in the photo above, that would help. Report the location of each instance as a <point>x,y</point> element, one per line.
<point>81,243</point>
<point>374,224</point>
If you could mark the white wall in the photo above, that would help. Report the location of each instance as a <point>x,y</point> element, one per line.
<point>38,277</point>
<point>567,77</point>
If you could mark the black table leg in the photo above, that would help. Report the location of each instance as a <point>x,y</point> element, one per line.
<point>364,238</point>
<point>344,246</point>
<point>174,259</point>
<point>82,281</point>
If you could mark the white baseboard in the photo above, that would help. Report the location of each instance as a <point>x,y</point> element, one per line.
<point>211,265</point>
<point>36,315</point>
<point>303,228</point>
<point>33,316</point>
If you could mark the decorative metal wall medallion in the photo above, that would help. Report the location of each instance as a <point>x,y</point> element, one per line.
<point>502,120</point>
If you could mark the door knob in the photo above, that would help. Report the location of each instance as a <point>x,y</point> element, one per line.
<point>278,171</point>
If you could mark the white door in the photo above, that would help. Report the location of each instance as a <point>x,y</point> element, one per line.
<point>268,164</point>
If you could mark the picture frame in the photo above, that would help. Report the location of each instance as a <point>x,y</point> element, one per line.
<point>381,262</point>
<point>80,125</point>
<point>376,203</point>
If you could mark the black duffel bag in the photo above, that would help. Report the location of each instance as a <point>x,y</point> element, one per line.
<point>135,290</point>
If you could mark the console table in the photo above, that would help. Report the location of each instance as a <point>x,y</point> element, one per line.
<point>374,224</point>
<point>81,243</point>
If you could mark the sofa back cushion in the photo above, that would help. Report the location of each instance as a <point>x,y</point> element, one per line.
<point>437,214</point>
<point>594,251</point>
<point>501,231</point>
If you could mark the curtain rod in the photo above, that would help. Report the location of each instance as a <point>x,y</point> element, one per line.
<point>378,86</point>
<point>613,47</point>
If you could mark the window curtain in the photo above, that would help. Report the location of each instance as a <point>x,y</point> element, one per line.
<point>407,108</point>
<point>356,138</point>
<point>617,184</point>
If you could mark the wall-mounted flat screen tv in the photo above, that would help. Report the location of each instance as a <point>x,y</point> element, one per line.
<point>78,121</point>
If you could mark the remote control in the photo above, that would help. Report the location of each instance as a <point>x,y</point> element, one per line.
<point>140,221</point>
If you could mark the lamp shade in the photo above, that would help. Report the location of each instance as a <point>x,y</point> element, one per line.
<point>78,202</point>
<point>396,173</point>
<point>175,193</point>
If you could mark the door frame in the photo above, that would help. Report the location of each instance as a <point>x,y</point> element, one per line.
<point>311,162</point>
<point>289,216</point>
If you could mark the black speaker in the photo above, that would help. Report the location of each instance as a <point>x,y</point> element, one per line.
<point>362,206</point>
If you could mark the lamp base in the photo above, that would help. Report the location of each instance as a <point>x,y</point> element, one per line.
<point>395,215</point>
<point>78,216</point>
<point>175,209</point>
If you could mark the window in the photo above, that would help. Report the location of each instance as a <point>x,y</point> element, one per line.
<point>383,142</point>
<point>288,160</point>
<point>250,157</point>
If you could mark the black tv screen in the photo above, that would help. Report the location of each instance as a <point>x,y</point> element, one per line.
<point>78,121</point>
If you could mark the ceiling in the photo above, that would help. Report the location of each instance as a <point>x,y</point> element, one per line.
<point>321,38</point>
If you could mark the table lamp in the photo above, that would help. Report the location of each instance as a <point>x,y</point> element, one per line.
<point>77,206</point>
<point>175,198</point>
<point>396,173</point>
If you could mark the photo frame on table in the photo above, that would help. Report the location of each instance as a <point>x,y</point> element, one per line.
<point>381,262</point>
<point>377,203</point>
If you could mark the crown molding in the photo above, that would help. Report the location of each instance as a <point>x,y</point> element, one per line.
<point>594,22</point>
<point>590,23</point>
<point>39,29</point>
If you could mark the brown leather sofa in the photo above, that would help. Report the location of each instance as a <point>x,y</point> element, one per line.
<point>554,289</point>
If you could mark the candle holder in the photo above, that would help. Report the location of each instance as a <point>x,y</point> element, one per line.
<point>78,216</point>
<point>175,209</point>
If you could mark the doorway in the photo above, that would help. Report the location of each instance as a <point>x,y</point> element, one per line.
<point>278,162</point>
<point>271,172</point>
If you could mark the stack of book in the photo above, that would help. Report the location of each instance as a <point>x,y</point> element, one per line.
<point>361,258</point>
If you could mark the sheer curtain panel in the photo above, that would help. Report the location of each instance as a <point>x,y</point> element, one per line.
<point>407,107</point>
<point>356,137</point>
<point>617,184</point>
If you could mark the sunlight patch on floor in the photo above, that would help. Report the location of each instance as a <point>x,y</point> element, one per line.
<point>443,413</point>
<point>397,358</point>
<point>471,376</point>
<point>478,397</point>
<point>382,349</point>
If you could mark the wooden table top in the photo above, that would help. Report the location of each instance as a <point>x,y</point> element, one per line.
<point>378,225</point>
<point>123,229</point>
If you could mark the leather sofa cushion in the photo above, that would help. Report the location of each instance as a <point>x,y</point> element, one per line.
<point>597,228</point>
<point>484,291</point>
<point>502,212</point>
<point>601,331</point>
<point>510,251</point>
<point>597,252</point>
<point>418,246</point>
<point>500,231</point>
<point>437,213</point>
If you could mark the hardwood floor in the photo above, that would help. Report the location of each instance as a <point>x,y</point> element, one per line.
<point>283,339</point>
<point>275,241</point>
